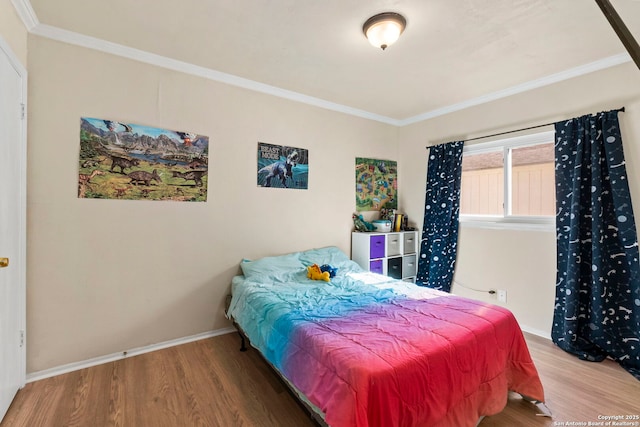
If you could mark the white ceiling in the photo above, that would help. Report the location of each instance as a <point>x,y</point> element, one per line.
<point>452,52</point>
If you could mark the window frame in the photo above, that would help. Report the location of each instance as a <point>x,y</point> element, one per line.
<point>506,220</point>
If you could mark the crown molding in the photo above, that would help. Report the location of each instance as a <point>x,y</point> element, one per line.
<point>70,37</point>
<point>30,20</point>
<point>581,70</point>
<point>26,13</point>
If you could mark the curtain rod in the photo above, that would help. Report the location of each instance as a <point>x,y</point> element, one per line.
<point>519,130</point>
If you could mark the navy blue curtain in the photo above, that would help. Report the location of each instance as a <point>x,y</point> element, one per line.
<point>438,247</point>
<point>597,310</point>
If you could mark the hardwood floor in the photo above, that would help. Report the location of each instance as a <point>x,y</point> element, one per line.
<point>204,383</point>
<point>211,383</point>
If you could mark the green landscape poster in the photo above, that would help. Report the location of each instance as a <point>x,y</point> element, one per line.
<point>376,184</point>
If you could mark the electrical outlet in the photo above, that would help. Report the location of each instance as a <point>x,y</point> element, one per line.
<point>502,295</point>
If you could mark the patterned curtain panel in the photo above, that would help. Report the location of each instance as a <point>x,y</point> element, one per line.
<point>597,311</point>
<point>438,247</point>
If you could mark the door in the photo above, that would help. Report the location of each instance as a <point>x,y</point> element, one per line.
<point>12,226</point>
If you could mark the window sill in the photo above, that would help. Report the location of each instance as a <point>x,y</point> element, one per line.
<point>547,224</point>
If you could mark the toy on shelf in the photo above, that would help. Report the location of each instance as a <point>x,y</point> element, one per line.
<point>361,225</point>
<point>388,214</point>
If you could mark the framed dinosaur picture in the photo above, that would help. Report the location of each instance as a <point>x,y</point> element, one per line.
<point>283,167</point>
<point>127,161</point>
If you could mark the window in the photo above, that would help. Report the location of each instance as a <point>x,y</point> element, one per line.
<point>509,183</point>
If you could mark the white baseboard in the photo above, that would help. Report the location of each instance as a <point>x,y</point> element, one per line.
<point>70,367</point>
<point>534,331</point>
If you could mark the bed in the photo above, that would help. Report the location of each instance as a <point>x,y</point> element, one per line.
<point>368,350</point>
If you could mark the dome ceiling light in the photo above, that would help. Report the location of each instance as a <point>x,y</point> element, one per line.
<point>383,29</point>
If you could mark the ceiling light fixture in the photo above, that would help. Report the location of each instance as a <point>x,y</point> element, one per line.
<point>384,29</point>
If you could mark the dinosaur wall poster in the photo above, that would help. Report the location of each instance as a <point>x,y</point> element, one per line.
<point>283,167</point>
<point>376,184</point>
<point>127,161</point>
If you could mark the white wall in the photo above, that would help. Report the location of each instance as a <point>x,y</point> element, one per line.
<point>522,262</point>
<point>13,31</point>
<point>109,275</point>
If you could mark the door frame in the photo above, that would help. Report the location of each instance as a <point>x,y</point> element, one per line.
<point>21,262</point>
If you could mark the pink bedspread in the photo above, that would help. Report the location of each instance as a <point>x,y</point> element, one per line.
<point>443,361</point>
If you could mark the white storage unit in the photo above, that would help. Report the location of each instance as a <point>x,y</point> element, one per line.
<point>393,254</point>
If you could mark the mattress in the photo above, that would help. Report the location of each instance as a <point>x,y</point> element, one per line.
<point>368,350</point>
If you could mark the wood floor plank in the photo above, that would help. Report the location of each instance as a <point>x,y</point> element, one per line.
<point>45,395</point>
<point>117,403</point>
<point>211,383</point>
<point>243,387</point>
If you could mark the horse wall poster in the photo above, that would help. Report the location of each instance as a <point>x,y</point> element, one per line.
<point>376,184</point>
<point>282,167</point>
<point>135,162</point>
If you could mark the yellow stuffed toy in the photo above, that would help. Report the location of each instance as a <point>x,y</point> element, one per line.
<point>314,273</point>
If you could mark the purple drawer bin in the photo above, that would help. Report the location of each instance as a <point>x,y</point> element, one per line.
<point>375,266</point>
<point>376,246</point>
